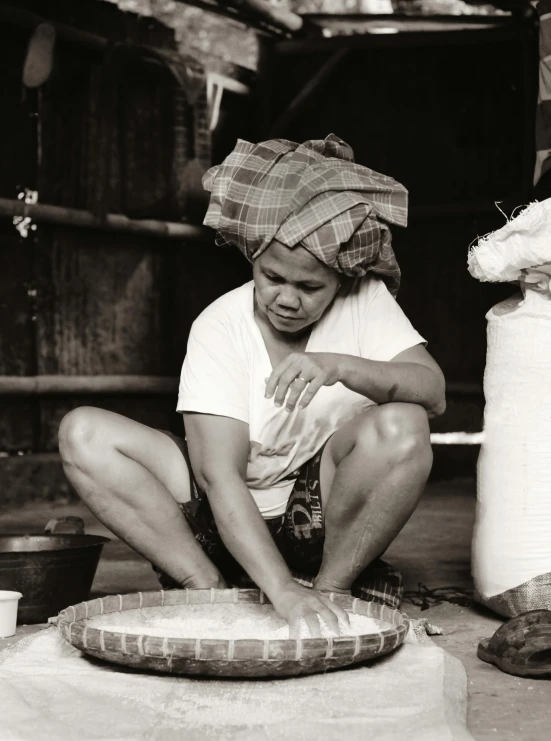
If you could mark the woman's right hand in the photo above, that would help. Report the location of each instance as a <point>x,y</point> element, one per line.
<point>296,602</point>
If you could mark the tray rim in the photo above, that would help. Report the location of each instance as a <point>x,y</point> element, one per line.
<point>96,640</point>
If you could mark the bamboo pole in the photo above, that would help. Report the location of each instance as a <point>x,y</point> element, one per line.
<point>125,384</point>
<point>44,213</point>
<point>256,13</point>
<point>41,212</point>
<point>279,17</point>
<point>83,385</point>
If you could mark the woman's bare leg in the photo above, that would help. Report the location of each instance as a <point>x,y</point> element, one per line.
<point>132,478</point>
<point>373,472</point>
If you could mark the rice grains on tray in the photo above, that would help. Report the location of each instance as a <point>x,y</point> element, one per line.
<point>222,621</point>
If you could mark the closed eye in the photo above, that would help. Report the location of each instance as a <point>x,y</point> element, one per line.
<point>304,287</point>
<point>273,278</point>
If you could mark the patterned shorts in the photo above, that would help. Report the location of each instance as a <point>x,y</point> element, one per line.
<point>299,535</point>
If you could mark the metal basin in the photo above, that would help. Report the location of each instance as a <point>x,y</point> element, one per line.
<point>52,569</point>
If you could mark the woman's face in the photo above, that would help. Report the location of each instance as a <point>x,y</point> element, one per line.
<point>293,288</point>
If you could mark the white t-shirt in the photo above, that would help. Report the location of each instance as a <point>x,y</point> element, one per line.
<point>227,362</point>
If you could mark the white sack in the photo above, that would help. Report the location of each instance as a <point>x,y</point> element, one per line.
<point>524,241</point>
<point>512,537</point>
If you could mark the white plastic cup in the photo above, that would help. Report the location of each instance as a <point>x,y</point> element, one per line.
<point>9,602</point>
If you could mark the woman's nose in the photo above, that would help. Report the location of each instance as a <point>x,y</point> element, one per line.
<point>288,297</point>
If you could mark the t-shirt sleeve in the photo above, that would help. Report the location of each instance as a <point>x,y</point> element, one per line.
<point>214,378</point>
<point>386,330</point>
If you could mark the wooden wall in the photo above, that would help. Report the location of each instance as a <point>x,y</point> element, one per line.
<point>83,302</point>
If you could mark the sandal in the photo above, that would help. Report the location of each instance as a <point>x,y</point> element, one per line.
<point>521,646</point>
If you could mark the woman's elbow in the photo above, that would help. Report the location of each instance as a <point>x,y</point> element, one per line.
<point>437,406</point>
<point>437,410</point>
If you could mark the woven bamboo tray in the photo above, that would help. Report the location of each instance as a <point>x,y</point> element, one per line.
<point>223,657</point>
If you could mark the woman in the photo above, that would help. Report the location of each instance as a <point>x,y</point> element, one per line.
<point>305,395</point>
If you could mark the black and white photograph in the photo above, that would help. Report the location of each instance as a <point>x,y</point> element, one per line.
<point>275,370</point>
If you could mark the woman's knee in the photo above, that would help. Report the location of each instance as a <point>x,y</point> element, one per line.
<point>401,431</point>
<point>79,434</point>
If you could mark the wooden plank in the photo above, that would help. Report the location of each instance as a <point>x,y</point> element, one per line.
<point>434,21</point>
<point>404,39</point>
<point>16,303</point>
<point>228,11</point>
<point>33,478</point>
<point>114,145</point>
<point>145,142</point>
<point>99,309</point>
<point>279,17</point>
<point>17,426</point>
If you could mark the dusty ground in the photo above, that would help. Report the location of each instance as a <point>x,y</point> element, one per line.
<point>433,549</point>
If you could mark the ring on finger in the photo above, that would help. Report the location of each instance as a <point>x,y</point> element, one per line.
<point>304,380</point>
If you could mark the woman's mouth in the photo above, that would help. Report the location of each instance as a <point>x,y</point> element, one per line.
<point>285,317</point>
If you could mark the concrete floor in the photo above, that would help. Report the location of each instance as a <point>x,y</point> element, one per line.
<point>433,549</point>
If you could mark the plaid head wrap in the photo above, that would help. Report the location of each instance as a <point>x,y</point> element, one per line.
<point>311,195</point>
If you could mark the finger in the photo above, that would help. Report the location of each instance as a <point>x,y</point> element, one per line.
<point>273,380</point>
<point>313,388</point>
<point>337,610</point>
<point>285,381</point>
<point>297,388</point>
<point>276,374</point>
<point>330,619</point>
<point>278,371</point>
<point>312,621</point>
<point>294,628</point>
<point>271,385</point>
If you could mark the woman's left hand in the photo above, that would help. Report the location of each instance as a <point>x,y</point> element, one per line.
<point>302,374</point>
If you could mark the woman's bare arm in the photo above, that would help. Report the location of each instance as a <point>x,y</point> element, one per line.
<point>219,448</point>
<point>413,376</point>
